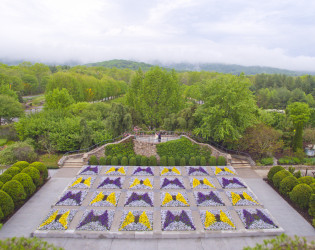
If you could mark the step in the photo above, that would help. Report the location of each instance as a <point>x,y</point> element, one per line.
<point>72,166</point>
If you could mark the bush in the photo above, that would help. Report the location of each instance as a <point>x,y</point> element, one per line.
<point>177,160</point>
<point>272,172</point>
<point>19,151</point>
<point>34,174</point>
<point>279,176</point>
<point>163,161</point>
<point>114,161</point>
<point>12,171</point>
<point>124,161</point>
<point>301,194</point>
<point>108,160</point>
<point>102,161</point>
<point>291,169</point>
<point>6,203</point>
<point>119,158</point>
<point>203,161</point>
<point>16,190</point>
<point>212,161</point>
<point>198,160</point>
<point>21,164</point>
<point>289,161</point>
<point>192,161</point>
<point>311,209</point>
<point>152,160</point>
<point>144,161</point>
<point>138,160</point>
<point>93,160</point>
<point>221,161</point>
<point>186,157</point>
<point>306,180</point>
<point>26,182</point>
<point>171,161</point>
<point>5,178</point>
<point>183,161</point>
<point>1,184</point>
<point>123,148</point>
<point>1,216</point>
<point>312,186</point>
<point>41,168</point>
<point>133,161</point>
<point>266,161</point>
<point>26,243</point>
<point>297,174</point>
<point>287,184</point>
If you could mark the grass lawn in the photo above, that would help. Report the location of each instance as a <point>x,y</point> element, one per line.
<point>51,161</point>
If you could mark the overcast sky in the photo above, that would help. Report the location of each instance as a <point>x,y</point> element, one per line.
<point>277,33</point>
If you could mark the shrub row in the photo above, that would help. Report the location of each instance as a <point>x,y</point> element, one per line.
<point>123,148</point>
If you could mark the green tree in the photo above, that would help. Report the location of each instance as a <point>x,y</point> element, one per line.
<point>9,108</point>
<point>119,120</point>
<point>58,99</point>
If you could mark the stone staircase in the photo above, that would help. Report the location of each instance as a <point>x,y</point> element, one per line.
<point>240,163</point>
<point>73,163</point>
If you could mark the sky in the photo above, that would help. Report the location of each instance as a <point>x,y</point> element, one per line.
<point>275,33</point>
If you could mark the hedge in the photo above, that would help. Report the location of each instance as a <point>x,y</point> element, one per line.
<point>138,160</point>
<point>93,160</point>
<point>311,209</point>
<point>6,203</point>
<point>5,178</point>
<point>203,161</point>
<point>21,164</point>
<point>312,186</point>
<point>12,171</point>
<point>306,180</point>
<point>198,158</point>
<point>163,161</point>
<point>108,160</point>
<point>192,161</point>
<point>279,176</point>
<point>266,161</point>
<point>26,182</point>
<point>289,161</point>
<point>183,161</point>
<point>114,161</point>
<point>177,160</point>
<point>16,190</point>
<point>102,161</point>
<point>133,161</point>
<point>124,161</point>
<point>301,194</point>
<point>1,215</point>
<point>287,184</point>
<point>123,148</point>
<point>273,171</point>
<point>26,243</point>
<point>212,161</point>
<point>144,161</point>
<point>171,161</point>
<point>41,168</point>
<point>1,184</point>
<point>221,161</point>
<point>34,174</point>
<point>152,160</point>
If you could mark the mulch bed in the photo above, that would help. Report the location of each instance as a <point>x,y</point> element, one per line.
<point>302,212</point>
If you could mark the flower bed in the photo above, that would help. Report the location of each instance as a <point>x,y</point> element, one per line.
<point>202,183</point>
<point>231,182</point>
<point>216,220</point>
<point>96,220</point>
<point>115,170</point>
<point>171,183</point>
<point>139,199</point>
<point>111,182</point>
<point>207,199</point>
<point>71,198</point>
<point>105,199</point>
<point>136,221</point>
<point>219,171</point>
<point>141,183</point>
<point>90,170</point>
<point>82,182</point>
<point>143,171</point>
<point>169,171</point>
<point>242,198</point>
<point>58,219</point>
<point>180,220</point>
<point>256,219</point>
<point>174,199</point>
<point>197,171</point>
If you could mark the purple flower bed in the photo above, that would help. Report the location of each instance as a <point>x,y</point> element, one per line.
<point>174,199</point>
<point>179,220</point>
<point>201,183</point>
<point>206,199</point>
<point>111,182</point>
<point>72,198</point>
<point>143,171</point>
<point>90,170</point>
<point>217,220</point>
<point>231,182</point>
<point>172,183</point>
<point>58,219</point>
<point>141,183</point>
<point>170,171</point>
<point>139,199</point>
<point>256,219</point>
<point>105,199</point>
<point>96,220</point>
<point>197,171</point>
<point>136,221</point>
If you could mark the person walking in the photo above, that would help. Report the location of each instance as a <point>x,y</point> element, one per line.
<point>160,136</point>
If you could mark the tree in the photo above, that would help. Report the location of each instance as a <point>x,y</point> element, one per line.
<point>58,99</point>
<point>229,108</point>
<point>299,114</point>
<point>119,120</point>
<point>9,108</point>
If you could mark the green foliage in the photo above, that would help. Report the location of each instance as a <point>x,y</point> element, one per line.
<point>182,161</point>
<point>124,161</point>
<point>273,171</point>
<point>133,161</point>
<point>289,160</point>
<point>301,194</point>
<point>114,161</point>
<point>221,161</point>
<point>177,160</point>
<point>198,160</point>
<point>26,243</point>
<point>93,160</point>
<point>279,176</point>
<point>163,161</point>
<point>152,160</point>
<point>9,108</point>
<point>108,160</point>
<point>16,190</point>
<point>171,161</point>
<point>1,184</point>
<point>19,151</point>
<point>123,148</point>
<point>6,203</point>
<point>21,164</point>
<point>266,161</point>
<point>102,161</point>
<point>1,217</point>
<point>5,177</point>
<point>203,161</point>
<point>192,161</point>
<point>306,180</point>
<point>119,157</point>
<point>212,161</point>
<point>144,161</point>
<point>187,157</point>
<point>41,168</point>
<point>58,99</point>
<point>312,185</point>
<point>311,209</point>
<point>287,184</point>
<point>138,160</point>
<point>12,171</point>
<point>26,182</point>
<point>34,174</point>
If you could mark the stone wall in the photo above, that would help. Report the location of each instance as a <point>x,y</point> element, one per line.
<point>145,148</point>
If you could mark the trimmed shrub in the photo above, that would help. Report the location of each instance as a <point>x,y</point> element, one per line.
<point>1,215</point>
<point>301,194</point>
<point>26,243</point>
<point>102,161</point>
<point>5,178</point>
<point>12,171</point>
<point>130,156</point>
<point>144,161</point>
<point>297,174</point>
<point>221,161</point>
<point>34,174</point>
<point>1,184</point>
<point>279,176</point>
<point>93,160</point>
<point>312,186</point>
<point>183,161</point>
<point>306,180</point>
<point>6,203</point>
<point>273,171</point>
<point>41,168</point>
<point>203,161</point>
<point>171,161</point>
<point>132,161</point>
<point>163,161</point>
<point>187,157</point>
<point>291,169</point>
<point>152,160</point>
<point>177,160</point>
<point>114,161</point>
<point>16,190</point>
<point>21,164</point>
<point>119,158</point>
<point>17,151</point>
<point>138,160</point>
<point>266,161</point>
<point>124,161</point>
<point>192,161</point>
<point>287,184</point>
<point>198,160</point>
<point>108,160</point>
<point>26,182</point>
<point>311,209</point>
<point>212,161</point>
